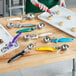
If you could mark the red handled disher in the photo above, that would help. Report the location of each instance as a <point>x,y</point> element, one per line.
<point>47,9</point>
<point>51,13</point>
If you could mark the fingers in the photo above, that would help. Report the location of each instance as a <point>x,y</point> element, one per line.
<point>62,3</point>
<point>43,7</point>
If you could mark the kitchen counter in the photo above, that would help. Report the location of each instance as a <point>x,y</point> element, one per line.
<point>35,58</point>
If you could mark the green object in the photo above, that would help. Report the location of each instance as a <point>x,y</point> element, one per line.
<point>26,30</point>
<point>34,9</point>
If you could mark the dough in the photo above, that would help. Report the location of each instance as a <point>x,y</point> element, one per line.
<point>69,17</point>
<point>61,23</point>
<point>50,18</point>
<point>1,41</point>
<point>58,12</point>
<point>73,29</point>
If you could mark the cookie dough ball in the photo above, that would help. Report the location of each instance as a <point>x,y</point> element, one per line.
<point>58,12</point>
<point>61,23</point>
<point>50,18</point>
<point>1,41</point>
<point>69,17</point>
<point>73,29</point>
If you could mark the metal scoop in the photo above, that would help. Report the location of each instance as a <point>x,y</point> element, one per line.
<point>29,16</point>
<point>29,47</point>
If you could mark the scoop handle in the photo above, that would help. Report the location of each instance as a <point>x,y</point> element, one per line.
<point>16,56</point>
<point>47,9</point>
<point>16,37</point>
<point>65,40</point>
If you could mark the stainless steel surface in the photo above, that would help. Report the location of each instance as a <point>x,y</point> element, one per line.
<point>12,7</point>
<point>2,7</point>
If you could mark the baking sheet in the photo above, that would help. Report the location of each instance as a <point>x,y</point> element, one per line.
<point>62,17</point>
<point>6,37</point>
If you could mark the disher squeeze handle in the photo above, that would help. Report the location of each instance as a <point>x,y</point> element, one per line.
<point>16,37</point>
<point>16,56</point>
<point>47,9</point>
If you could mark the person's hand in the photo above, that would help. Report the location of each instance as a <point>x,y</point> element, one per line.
<point>41,6</point>
<point>62,3</point>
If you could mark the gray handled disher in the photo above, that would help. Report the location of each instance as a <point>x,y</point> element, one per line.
<point>13,25</point>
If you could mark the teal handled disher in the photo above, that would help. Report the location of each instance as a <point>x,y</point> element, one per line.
<point>27,30</point>
<point>55,41</point>
<point>63,40</point>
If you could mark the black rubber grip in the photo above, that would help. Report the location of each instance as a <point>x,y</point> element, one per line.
<point>16,56</point>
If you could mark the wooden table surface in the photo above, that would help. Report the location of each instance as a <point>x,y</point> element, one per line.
<point>36,58</point>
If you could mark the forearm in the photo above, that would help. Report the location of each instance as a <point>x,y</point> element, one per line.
<point>41,6</point>
<point>34,1</point>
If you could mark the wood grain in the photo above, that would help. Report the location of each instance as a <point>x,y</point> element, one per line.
<point>35,58</point>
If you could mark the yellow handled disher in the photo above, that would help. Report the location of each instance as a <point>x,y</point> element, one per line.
<point>53,49</point>
<point>46,49</point>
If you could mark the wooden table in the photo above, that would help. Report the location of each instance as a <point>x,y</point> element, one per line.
<point>36,58</point>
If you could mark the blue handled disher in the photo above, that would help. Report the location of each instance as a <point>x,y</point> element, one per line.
<point>65,40</point>
<point>62,40</point>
